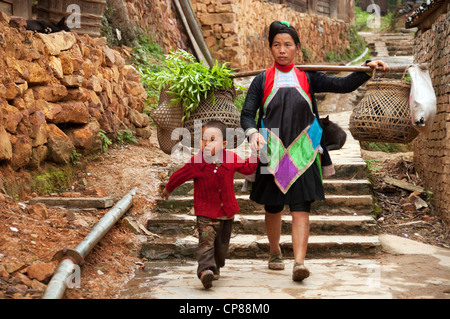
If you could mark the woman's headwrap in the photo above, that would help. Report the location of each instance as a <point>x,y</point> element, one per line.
<point>277,27</point>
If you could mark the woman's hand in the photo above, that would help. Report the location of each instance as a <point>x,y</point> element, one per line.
<point>378,65</point>
<point>257,142</point>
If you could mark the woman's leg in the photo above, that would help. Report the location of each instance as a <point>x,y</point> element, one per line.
<point>300,235</point>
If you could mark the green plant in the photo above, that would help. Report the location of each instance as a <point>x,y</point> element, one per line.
<point>125,137</point>
<point>106,142</point>
<point>390,22</point>
<point>361,17</point>
<point>241,94</point>
<point>373,165</point>
<point>147,58</point>
<point>190,81</point>
<point>74,157</point>
<point>53,180</point>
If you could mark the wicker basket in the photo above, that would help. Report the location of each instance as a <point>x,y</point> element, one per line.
<point>222,109</point>
<point>167,118</point>
<point>383,115</point>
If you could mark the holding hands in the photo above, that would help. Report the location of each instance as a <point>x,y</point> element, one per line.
<point>165,194</point>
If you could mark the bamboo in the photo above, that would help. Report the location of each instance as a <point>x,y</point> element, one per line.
<point>196,30</point>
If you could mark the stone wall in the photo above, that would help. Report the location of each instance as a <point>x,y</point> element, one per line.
<point>158,18</point>
<point>57,91</point>
<point>237,31</point>
<point>432,152</point>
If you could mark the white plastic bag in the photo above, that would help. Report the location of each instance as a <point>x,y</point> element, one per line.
<point>422,99</point>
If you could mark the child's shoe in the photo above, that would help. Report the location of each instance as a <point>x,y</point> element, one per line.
<point>206,278</point>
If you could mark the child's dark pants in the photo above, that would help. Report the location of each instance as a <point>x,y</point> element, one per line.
<point>213,241</point>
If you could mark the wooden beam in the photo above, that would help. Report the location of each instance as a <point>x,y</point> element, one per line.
<point>337,68</point>
<point>404,185</point>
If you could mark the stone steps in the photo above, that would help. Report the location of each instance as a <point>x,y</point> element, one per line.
<point>257,246</point>
<point>334,186</point>
<point>332,205</point>
<point>340,226</point>
<point>177,224</point>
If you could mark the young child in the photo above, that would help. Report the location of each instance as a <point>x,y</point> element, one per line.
<point>215,204</point>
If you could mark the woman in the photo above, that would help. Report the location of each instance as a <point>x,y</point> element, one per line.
<point>289,134</point>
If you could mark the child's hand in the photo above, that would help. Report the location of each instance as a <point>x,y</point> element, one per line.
<point>165,194</point>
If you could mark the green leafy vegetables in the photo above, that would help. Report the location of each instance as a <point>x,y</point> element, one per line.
<point>190,81</point>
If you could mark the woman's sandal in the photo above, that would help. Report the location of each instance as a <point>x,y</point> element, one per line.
<point>300,272</point>
<point>276,262</point>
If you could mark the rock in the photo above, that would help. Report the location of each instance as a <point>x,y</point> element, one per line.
<point>136,89</point>
<point>3,273</point>
<point>77,94</point>
<point>57,42</point>
<point>50,93</point>
<point>96,192</point>
<point>38,128</point>
<point>38,156</point>
<point>110,57</point>
<point>94,84</point>
<point>60,147</point>
<point>56,66</point>
<point>9,91</point>
<point>12,117</point>
<point>33,73</point>
<point>37,285</point>
<point>21,150</point>
<point>86,139</point>
<point>41,271</point>
<point>410,207</point>
<point>61,78</point>
<point>67,112</point>
<point>66,63</point>
<point>131,225</point>
<point>12,267</point>
<point>72,80</point>
<point>16,291</point>
<point>21,279</point>
<point>131,74</point>
<point>138,119</point>
<point>145,132</point>
<point>18,22</point>
<point>4,18</point>
<point>39,210</point>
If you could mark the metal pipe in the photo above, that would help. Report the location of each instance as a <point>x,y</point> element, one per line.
<point>58,283</point>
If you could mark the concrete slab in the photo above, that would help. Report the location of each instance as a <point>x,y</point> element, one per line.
<point>381,278</point>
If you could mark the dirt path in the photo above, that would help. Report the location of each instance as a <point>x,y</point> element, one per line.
<point>143,166</point>
<point>27,237</point>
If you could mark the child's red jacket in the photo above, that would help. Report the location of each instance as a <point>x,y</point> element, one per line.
<point>213,185</point>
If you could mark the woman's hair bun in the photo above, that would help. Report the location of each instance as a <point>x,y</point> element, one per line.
<point>277,27</point>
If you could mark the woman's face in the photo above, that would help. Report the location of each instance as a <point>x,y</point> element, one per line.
<point>284,49</point>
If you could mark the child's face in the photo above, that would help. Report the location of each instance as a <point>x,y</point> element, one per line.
<point>212,141</point>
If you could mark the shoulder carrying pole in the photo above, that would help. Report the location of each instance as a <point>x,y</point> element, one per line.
<point>338,68</point>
